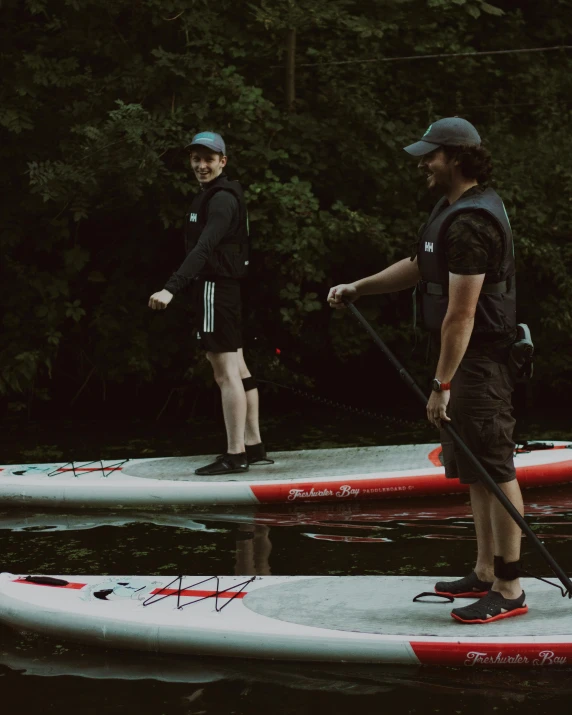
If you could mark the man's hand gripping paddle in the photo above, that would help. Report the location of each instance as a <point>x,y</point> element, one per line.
<point>485,478</point>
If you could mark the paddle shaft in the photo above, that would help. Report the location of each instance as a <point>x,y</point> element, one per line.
<point>483,474</point>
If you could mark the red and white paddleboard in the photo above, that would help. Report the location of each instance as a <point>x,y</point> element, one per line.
<point>317,475</point>
<point>367,619</point>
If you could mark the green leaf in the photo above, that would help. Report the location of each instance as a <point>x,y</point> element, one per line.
<point>491,9</point>
<point>76,258</point>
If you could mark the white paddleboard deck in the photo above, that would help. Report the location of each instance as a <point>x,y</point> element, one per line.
<point>368,619</point>
<point>308,475</point>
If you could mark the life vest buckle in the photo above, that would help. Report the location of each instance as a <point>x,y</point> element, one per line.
<point>520,359</point>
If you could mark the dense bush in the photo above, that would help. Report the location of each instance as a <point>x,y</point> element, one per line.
<point>100,98</point>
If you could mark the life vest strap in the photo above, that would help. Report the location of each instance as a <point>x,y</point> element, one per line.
<point>487,288</point>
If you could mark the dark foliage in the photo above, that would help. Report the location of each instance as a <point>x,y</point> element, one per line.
<point>99,98</point>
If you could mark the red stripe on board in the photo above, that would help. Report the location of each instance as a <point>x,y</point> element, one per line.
<point>196,592</point>
<point>155,592</point>
<point>76,586</point>
<point>493,654</point>
<point>350,489</point>
<point>90,469</point>
<point>434,456</point>
<point>542,475</point>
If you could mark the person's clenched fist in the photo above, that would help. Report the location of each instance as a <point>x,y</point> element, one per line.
<point>338,292</point>
<point>160,300</point>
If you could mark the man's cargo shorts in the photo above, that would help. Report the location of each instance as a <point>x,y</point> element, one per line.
<point>480,409</point>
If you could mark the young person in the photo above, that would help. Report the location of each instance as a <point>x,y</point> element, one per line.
<point>464,268</point>
<point>217,246</point>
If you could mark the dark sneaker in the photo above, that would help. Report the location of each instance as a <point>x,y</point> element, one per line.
<point>470,586</point>
<point>491,607</point>
<point>225,464</point>
<point>256,454</point>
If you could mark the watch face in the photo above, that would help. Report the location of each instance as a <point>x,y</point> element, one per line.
<point>436,385</point>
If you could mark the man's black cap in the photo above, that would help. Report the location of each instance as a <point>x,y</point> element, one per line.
<point>451,131</point>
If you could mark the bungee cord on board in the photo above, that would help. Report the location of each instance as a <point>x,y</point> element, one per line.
<point>216,593</point>
<point>76,467</point>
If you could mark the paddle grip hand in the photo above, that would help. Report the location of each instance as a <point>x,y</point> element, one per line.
<point>342,295</point>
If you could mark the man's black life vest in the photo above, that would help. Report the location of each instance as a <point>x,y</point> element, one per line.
<point>230,258</point>
<point>495,315</point>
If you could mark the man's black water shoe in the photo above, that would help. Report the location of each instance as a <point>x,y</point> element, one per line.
<point>491,607</point>
<point>225,464</point>
<point>467,587</point>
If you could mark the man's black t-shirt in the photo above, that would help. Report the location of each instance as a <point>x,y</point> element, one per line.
<point>475,245</point>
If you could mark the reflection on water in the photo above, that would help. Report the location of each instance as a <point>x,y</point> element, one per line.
<point>430,536</point>
<point>252,550</point>
<point>31,658</point>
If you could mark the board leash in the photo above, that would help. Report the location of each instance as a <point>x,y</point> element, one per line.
<point>389,419</point>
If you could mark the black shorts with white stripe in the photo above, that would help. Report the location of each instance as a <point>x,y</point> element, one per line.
<point>218,311</point>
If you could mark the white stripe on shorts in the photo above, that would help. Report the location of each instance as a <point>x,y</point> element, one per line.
<point>208,322</point>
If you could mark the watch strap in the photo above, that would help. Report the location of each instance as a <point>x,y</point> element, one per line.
<point>439,386</point>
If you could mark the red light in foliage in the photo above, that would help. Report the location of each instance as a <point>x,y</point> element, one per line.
<point>278,351</point>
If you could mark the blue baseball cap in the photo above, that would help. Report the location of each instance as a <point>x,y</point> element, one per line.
<point>210,140</point>
<point>451,131</point>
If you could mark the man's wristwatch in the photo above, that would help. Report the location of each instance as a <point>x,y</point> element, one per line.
<point>439,386</point>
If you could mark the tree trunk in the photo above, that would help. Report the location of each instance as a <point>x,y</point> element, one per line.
<point>290,69</point>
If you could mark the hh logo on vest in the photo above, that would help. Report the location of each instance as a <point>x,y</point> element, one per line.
<point>429,246</point>
<point>193,218</point>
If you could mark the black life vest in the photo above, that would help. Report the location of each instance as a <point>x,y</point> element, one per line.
<point>231,257</point>
<point>495,314</point>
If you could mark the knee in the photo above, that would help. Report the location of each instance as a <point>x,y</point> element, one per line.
<point>225,377</point>
<point>220,378</point>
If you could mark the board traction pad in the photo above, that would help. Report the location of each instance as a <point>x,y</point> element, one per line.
<point>294,465</point>
<point>366,604</point>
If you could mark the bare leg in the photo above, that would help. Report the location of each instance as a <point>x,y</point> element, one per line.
<point>227,375</point>
<point>497,534</point>
<point>507,536</point>
<point>481,506</point>
<point>252,428</point>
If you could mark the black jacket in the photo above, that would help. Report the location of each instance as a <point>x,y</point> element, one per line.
<point>216,238</point>
<point>229,259</point>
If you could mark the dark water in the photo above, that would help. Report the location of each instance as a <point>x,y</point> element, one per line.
<point>429,536</point>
